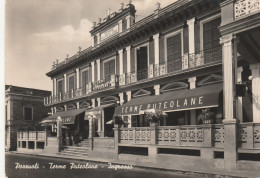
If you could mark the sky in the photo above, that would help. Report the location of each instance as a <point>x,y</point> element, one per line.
<point>37,32</point>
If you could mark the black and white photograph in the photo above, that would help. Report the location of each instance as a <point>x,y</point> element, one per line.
<point>130,88</point>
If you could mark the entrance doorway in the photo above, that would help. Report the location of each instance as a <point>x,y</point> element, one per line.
<point>142,63</point>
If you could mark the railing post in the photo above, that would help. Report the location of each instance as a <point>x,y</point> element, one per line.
<point>178,136</point>
<point>117,139</point>
<point>134,135</point>
<point>207,136</point>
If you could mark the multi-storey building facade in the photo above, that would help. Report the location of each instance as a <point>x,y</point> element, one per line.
<point>183,59</point>
<point>24,109</point>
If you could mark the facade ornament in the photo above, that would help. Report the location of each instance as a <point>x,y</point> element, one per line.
<point>108,12</point>
<point>94,25</point>
<point>130,2</point>
<point>226,38</point>
<point>99,20</point>
<point>122,6</point>
<point>158,6</point>
<point>57,61</point>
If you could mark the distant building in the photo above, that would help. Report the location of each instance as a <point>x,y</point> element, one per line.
<point>24,109</point>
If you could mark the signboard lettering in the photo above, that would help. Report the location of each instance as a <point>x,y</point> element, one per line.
<point>175,104</point>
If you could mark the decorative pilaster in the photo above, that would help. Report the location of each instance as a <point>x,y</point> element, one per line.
<point>120,25</point>
<point>128,59</point>
<point>77,103</point>
<point>93,71</point>
<point>157,89</point>
<point>65,83</point>
<point>121,96</point>
<point>98,101</point>
<point>129,95</point>
<point>129,21</point>
<point>190,24</point>
<point>98,38</point>
<point>98,69</point>
<point>93,103</point>
<point>77,78</point>
<point>156,48</point>
<point>65,107</point>
<point>54,93</point>
<point>239,107</point>
<point>120,53</point>
<point>255,68</point>
<point>193,120</point>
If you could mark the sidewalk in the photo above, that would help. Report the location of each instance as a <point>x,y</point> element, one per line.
<point>206,173</point>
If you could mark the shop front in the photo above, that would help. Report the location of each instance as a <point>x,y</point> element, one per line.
<point>184,107</point>
<point>100,116</point>
<point>74,127</point>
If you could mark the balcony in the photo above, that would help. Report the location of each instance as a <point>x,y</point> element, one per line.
<point>244,8</point>
<point>90,88</point>
<point>188,61</point>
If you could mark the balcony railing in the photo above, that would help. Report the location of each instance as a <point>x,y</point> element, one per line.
<point>192,135</point>
<point>111,82</point>
<point>243,8</point>
<point>249,135</point>
<point>187,61</point>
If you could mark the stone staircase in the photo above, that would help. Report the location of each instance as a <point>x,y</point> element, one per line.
<point>81,150</point>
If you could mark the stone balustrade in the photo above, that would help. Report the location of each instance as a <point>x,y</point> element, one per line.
<point>248,135</point>
<point>190,135</point>
<point>244,8</point>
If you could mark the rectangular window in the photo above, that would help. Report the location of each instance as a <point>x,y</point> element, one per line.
<point>142,63</point>
<point>84,80</point>
<point>28,114</point>
<point>211,46</point>
<point>124,24</point>
<point>95,40</point>
<point>60,87</point>
<point>71,83</point>
<point>174,53</point>
<point>109,69</point>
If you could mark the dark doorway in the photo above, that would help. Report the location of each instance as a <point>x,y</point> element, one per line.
<point>108,115</point>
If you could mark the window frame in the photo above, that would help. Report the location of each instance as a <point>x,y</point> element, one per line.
<point>68,79</point>
<point>176,32</point>
<point>24,113</point>
<point>57,81</point>
<point>148,54</point>
<point>81,79</point>
<point>106,61</point>
<point>202,22</point>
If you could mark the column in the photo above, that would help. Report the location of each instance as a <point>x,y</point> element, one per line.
<point>190,24</point>
<point>156,48</point>
<point>100,119</point>
<point>77,103</point>
<point>255,68</point>
<point>157,89</point>
<point>120,53</point>
<point>128,59</point>
<point>120,25</point>
<point>65,107</point>
<point>230,126</point>
<point>239,107</point>
<point>77,76</point>
<point>128,94</point>
<point>93,71</point>
<point>121,97</point>
<point>193,121</point>
<point>98,69</point>
<point>65,83</point>
<point>54,93</point>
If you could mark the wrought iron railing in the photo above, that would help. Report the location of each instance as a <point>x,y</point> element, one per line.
<point>186,61</point>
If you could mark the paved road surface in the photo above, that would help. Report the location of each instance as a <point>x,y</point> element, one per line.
<point>16,162</point>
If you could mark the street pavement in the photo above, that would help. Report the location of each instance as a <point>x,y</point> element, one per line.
<point>30,166</point>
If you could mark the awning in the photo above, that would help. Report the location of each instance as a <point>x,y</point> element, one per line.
<point>67,117</point>
<point>98,110</point>
<point>201,97</point>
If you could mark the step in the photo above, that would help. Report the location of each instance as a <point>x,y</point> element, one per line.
<point>73,154</point>
<point>75,148</point>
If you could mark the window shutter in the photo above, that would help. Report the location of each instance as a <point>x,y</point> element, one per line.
<point>174,47</point>
<point>143,57</point>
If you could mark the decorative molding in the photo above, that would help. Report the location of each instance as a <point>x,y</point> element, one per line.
<point>226,39</point>
<point>141,92</point>
<point>109,99</point>
<point>71,107</point>
<point>174,86</point>
<point>213,78</point>
<point>59,109</point>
